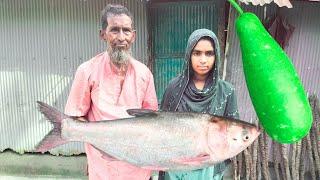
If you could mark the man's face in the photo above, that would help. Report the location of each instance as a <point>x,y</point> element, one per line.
<point>119,36</point>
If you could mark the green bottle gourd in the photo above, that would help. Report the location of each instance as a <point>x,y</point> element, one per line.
<point>275,89</point>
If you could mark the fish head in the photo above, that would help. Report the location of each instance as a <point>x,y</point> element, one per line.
<point>228,137</point>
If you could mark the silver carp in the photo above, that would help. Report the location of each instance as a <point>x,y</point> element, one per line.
<point>155,140</point>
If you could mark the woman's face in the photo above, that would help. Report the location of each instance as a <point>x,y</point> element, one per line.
<point>202,58</point>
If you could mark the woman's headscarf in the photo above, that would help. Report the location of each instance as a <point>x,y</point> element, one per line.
<point>181,93</point>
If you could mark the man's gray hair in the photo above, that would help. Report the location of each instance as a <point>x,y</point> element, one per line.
<point>112,10</point>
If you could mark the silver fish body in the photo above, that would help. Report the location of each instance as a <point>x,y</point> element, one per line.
<point>162,140</point>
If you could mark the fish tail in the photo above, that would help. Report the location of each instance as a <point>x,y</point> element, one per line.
<point>53,138</point>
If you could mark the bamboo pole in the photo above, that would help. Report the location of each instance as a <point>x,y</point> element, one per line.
<point>284,155</point>
<point>266,154</point>
<point>258,165</point>
<point>275,160</point>
<point>298,156</point>
<point>314,102</point>
<point>254,160</point>
<point>235,168</point>
<point>314,143</point>
<point>309,154</point>
<point>247,158</point>
<point>293,160</point>
<point>264,170</point>
<point>302,158</point>
<point>240,156</point>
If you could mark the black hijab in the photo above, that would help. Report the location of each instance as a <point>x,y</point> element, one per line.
<point>181,94</point>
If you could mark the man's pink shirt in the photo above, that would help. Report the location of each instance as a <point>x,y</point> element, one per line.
<point>96,93</point>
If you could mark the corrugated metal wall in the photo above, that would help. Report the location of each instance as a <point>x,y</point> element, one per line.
<point>304,45</point>
<point>42,43</point>
<point>171,25</point>
<point>303,49</point>
<point>234,70</point>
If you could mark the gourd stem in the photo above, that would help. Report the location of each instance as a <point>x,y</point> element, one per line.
<point>236,6</point>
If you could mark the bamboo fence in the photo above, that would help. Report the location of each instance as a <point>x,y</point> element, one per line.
<point>268,160</point>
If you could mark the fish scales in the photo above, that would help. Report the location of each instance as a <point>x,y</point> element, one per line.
<point>155,140</point>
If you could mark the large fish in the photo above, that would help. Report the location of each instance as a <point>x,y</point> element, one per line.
<point>155,140</point>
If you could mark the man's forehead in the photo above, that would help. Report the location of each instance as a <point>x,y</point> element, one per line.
<point>121,20</point>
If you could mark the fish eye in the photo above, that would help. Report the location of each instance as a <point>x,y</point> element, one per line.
<point>246,138</point>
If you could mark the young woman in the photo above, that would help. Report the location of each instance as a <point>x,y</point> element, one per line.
<point>199,89</point>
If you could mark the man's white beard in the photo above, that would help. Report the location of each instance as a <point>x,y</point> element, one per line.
<point>119,57</point>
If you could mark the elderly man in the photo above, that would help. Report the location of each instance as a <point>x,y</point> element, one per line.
<point>107,85</point>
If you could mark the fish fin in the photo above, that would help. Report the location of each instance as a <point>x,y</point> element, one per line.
<point>194,160</point>
<point>105,155</point>
<point>53,138</point>
<point>155,168</point>
<point>141,112</point>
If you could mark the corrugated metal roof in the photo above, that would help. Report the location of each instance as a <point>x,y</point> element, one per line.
<point>42,43</point>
